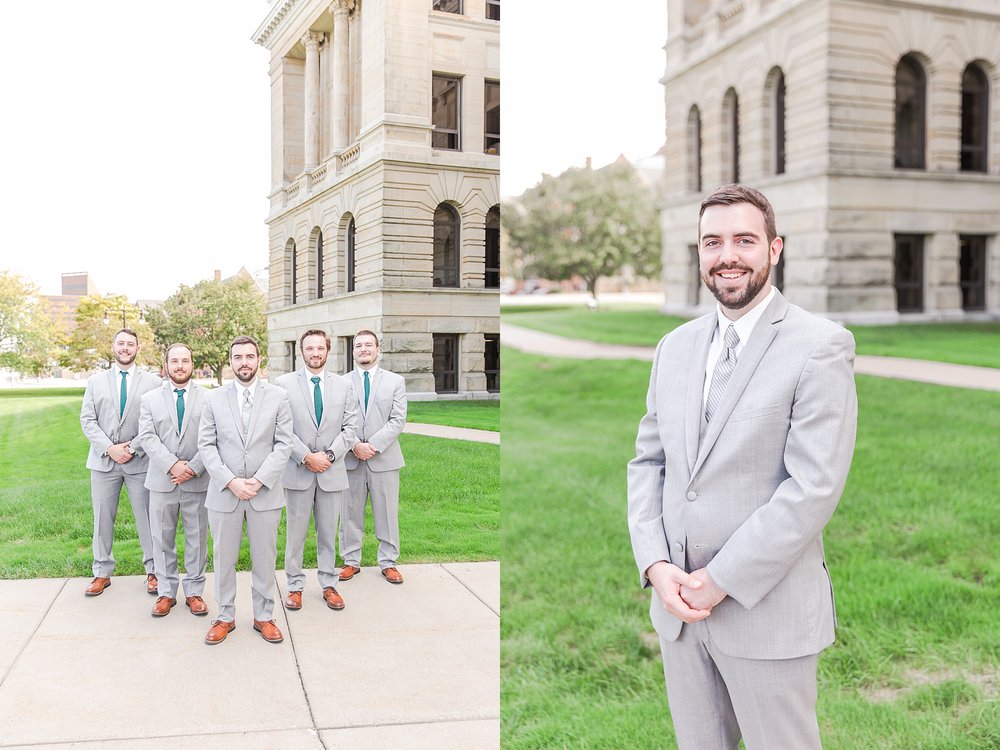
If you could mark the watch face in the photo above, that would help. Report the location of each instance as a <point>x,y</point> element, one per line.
<point>330,455</point>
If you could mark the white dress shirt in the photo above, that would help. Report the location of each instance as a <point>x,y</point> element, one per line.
<point>744,327</point>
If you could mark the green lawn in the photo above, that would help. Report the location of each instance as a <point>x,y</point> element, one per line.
<point>449,503</point>
<point>959,343</point>
<point>479,415</point>
<point>914,551</point>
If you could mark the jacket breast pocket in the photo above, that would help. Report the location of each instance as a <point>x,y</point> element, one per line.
<point>740,415</point>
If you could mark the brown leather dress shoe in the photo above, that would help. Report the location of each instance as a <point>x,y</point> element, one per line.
<point>218,632</point>
<point>151,584</point>
<point>197,605</point>
<point>162,606</point>
<point>333,599</point>
<point>268,631</point>
<point>392,575</point>
<point>293,600</point>
<point>97,586</point>
<point>348,572</point>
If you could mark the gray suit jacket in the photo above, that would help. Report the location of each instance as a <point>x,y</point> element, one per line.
<point>748,499</point>
<point>262,454</point>
<point>335,432</point>
<point>382,423</point>
<point>164,445</point>
<point>104,427</point>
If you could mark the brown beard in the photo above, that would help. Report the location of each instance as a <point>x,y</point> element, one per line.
<point>737,300</point>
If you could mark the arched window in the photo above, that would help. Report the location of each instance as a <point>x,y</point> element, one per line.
<point>911,107</point>
<point>446,246</point>
<point>291,267</point>
<point>775,95</point>
<point>318,244</point>
<point>493,248</point>
<point>975,118</point>
<point>694,149</point>
<point>351,263</point>
<point>731,136</point>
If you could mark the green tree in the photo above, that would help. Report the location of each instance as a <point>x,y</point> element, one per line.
<point>28,337</point>
<point>587,223</point>
<point>208,316</point>
<point>90,342</point>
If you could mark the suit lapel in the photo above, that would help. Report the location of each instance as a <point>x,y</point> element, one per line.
<point>307,397</point>
<point>234,408</point>
<point>190,402</point>
<point>376,380</point>
<point>171,405</point>
<point>255,408</point>
<point>695,399</point>
<point>115,392</point>
<point>132,393</point>
<point>328,395</point>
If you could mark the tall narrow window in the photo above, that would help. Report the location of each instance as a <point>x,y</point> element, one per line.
<point>351,261</point>
<point>909,272</point>
<point>493,10</point>
<point>975,118</point>
<point>446,107</point>
<point>493,248</point>
<point>492,117</point>
<point>491,362</point>
<point>694,279</point>
<point>972,271</point>
<point>911,107</point>
<point>445,246</point>
<point>349,349</point>
<point>694,149</point>
<point>778,122</point>
<point>319,265</point>
<point>292,355</point>
<point>445,362</point>
<point>293,270</point>
<point>731,135</point>
<point>448,6</point>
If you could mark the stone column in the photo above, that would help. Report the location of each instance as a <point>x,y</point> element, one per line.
<point>312,40</point>
<point>941,282</point>
<point>341,99</point>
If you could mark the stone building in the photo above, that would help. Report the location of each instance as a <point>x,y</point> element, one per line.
<point>874,128</point>
<point>384,202</point>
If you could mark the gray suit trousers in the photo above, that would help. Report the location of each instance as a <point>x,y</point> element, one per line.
<point>164,510</point>
<point>383,487</point>
<point>105,490</point>
<point>714,697</point>
<point>227,535</point>
<point>324,507</point>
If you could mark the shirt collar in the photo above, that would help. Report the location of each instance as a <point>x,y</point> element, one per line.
<point>240,387</point>
<point>744,326</point>
<point>130,369</point>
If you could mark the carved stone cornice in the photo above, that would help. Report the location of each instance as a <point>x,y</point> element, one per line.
<point>278,14</point>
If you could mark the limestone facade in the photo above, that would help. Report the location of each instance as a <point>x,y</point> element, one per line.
<point>357,180</point>
<point>865,239</point>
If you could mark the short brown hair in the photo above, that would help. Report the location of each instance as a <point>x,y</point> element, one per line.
<point>314,332</point>
<point>129,331</point>
<point>174,346</point>
<point>244,340</point>
<point>366,332</point>
<point>730,195</point>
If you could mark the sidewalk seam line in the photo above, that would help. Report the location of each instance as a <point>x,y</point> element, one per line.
<point>33,632</point>
<point>468,589</point>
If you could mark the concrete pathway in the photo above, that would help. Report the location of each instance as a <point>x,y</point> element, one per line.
<point>414,666</point>
<point>938,373</point>
<point>452,433</point>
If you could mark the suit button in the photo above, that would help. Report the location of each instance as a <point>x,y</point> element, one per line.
<point>692,496</point>
<point>678,546</point>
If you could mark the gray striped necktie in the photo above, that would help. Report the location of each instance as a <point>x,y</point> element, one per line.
<point>247,406</point>
<point>723,371</point>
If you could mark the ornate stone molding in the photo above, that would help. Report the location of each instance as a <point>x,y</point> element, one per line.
<point>342,7</point>
<point>313,37</point>
<point>273,21</point>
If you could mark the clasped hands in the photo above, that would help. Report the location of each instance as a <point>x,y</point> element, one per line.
<point>119,453</point>
<point>364,451</point>
<point>688,596</point>
<point>180,472</point>
<point>244,489</point>
<point>317,462</point>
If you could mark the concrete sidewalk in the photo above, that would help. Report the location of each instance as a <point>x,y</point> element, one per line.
<point>414,666</point>
<point>452,433</point>
<point>924,371</point>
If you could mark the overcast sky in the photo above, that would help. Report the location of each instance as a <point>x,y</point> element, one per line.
<point>136,136</point>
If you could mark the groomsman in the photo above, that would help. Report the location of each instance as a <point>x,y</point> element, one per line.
<point>176,480</point>
<point>374,463</point>
<point>323,416</point>
<point>245,441</point>
<point>110,420</point>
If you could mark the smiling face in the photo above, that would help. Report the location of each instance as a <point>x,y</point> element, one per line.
<point>179,366</point>
<point>125,347</point>
<point>735,257</point>
<point>366,351</point>
<point>244,361</point>
<point>315,352</point>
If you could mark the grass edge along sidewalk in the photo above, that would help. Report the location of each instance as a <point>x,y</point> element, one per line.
<point>449,506</point>
<point>914,551</point>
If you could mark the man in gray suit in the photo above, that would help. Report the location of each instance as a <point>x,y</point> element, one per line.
<point>110,420</point>
<point>245,441</point>
<point>373,466</point>
<point>323,416</point>
<point>740,462</point>
<point>168,428</point>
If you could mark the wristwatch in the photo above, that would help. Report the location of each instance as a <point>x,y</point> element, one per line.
<point>130,449</point>
<point>330,455</point>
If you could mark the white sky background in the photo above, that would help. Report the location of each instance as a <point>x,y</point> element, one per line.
<point>579,78</point>
<point>134,142</point>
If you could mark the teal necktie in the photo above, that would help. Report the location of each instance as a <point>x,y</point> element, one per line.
<point>122,396</point>
<point>368,387</point>
<point>317,399</point>
<point>180,407</point>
